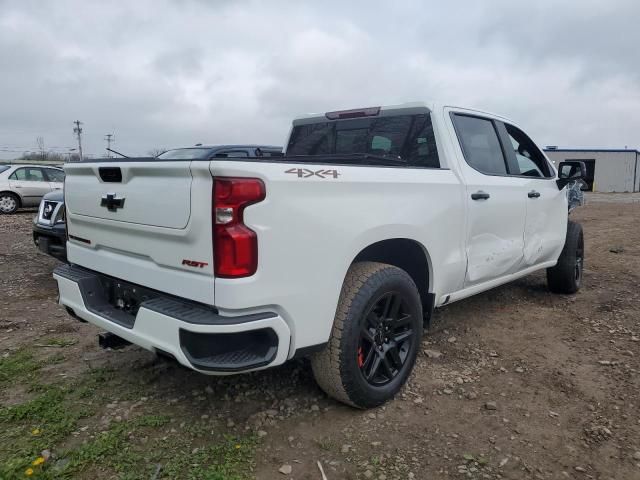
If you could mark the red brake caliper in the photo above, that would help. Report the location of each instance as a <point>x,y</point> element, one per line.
<point>360,357</point>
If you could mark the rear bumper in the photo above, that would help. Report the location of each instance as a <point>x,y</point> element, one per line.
<point>51,240</point>
<point>195,335</point>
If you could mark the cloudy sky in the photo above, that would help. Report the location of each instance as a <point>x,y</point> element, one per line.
<point>168,73</point>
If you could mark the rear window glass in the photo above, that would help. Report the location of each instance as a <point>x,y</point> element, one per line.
<point>409,138</point>
<point>3,168</point>
<point>184,154</point>
<point>55,175</point>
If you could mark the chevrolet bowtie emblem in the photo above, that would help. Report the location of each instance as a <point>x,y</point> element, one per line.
<point>111,202</point>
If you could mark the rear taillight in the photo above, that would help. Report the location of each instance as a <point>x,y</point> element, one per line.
<point>235,245</point>
<point>66,213</point>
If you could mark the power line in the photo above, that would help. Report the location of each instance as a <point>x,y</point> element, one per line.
<point>78,131</point>
<point>31,147</point>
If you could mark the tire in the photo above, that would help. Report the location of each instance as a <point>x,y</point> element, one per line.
<point>566,276</point>
<point>9,203</point>
<point>378,326</point>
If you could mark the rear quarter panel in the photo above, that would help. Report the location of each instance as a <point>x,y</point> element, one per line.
<point>310,230</point>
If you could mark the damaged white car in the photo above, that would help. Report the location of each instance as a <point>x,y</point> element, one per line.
<point>339,250</point>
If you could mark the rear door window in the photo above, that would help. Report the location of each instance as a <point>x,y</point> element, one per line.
<point>406,138</point>
<point>480,144</point>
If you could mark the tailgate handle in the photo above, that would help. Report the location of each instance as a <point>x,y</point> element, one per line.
<point>110,174</point>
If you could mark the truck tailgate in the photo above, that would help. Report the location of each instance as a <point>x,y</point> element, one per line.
<point>151,193</point>
<point>138,220</point>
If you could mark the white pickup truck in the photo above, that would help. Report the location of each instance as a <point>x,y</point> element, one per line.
<point>339,250</point>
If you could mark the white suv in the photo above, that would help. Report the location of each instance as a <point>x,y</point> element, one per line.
<point>25,185</point>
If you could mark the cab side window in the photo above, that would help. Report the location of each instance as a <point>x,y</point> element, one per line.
<point>479,141</point>
<point>530,162</point>
<point>28,174</point>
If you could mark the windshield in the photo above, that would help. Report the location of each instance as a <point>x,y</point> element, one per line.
<point>409,138</point>
<point>4,168</point>
<point>184,154</point>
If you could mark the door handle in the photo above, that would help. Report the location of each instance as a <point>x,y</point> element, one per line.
<point>480,195</point>
<point>18,186</point>
<point>533,194</point>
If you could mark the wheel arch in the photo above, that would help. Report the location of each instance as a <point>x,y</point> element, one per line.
<point>409,255</point>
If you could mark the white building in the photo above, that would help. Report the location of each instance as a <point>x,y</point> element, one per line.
<point>608,170</point>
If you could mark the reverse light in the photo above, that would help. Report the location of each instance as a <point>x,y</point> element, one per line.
<point>224,215</point>
<point>235,245</point>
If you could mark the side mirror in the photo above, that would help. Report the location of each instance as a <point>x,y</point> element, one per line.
<point>570,170</point>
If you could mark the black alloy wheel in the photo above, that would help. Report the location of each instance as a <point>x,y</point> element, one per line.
<point>385,339</point>
<point>375,336</point>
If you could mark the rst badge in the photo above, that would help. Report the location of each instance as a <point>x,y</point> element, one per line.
<point>194,263</point>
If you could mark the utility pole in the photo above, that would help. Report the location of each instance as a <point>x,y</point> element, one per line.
<point>43,153</point>
<point>109,137</point>
<point>78,131</point>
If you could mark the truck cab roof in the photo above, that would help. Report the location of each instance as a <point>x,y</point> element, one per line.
<point>407,108</point>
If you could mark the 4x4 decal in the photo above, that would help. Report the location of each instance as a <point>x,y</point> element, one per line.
<point>306,173</point>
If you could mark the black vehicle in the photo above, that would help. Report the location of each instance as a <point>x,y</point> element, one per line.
<point>200,151</point>
<point>49,228</point>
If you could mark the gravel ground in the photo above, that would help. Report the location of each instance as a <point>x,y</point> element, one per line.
<point>512,383</point>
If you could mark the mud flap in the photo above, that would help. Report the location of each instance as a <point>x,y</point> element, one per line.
<point>429,302</point>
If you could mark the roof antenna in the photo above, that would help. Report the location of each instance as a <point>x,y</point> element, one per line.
<point>121,154</point>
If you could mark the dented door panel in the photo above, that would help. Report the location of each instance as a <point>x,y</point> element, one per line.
<point>495,240</point>
<point>546,222</point>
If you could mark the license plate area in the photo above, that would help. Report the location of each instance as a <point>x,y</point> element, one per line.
<point>114,299</point>
<point>43,244</point>
<point>124,296</point>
